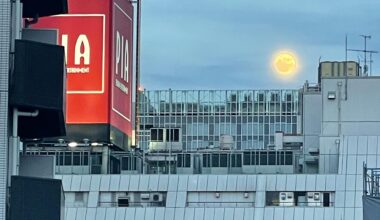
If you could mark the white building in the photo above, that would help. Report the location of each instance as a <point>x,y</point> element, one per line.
<point>340,132</point>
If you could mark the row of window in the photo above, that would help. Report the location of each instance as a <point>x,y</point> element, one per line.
<point>164,134</point>
<point>252,158</point>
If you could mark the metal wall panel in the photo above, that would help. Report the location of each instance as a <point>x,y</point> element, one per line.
<point>140,213</point>
<point>229,214</point>
<point>299,213</point>
<point>219,213</point>
<point>120,214</point>
<point>179,213</point>
<point>268,213</point>
<point>124,183</point>
<point>93,199</point>
<point>241,183</point>
<point>309,213</point>
<point>281,183</point>
<point>222,183</point>
<point>182,183</point>
<point>169,213</point>
<point>85,183</point>
<point>231,182</point>
<point>75,183</point>
<point>105,183</point>
<point>95,182</point>
<point>66,182</point>
<point>171,199</point>
<point>278,213</point>
<point>301,183</point>
<point>189,214</point>
<point>130,213</point>
<point>192,183</point>
<point>209,213</point>
<point>100,214</point>
<point>320,183</point>
<point>110,213</point>
<point>271,183</point>
<point>134,182</point>
<point>250,214</point>
<point>239,213</point>
<point>199,213</point>
<point>71,213</point>
<point>173,183</point>
<point>181,199</point>
<point>149,213</point>
<point>319,213</point>
<point>159,214</point>
<point>144,183</point>
<point>163,183</point>
<point>310,182</point>
<point>289,213</point>
<point>212,182</point>
<point>114,183</point>
<point>90,214</point>
<point>153,183</point>
<point>81,213</point>
<point>329,214</point>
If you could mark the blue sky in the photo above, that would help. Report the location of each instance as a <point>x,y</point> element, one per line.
<point>220,44</point>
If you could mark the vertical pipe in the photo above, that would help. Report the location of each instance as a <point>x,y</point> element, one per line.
<point>138,46</point>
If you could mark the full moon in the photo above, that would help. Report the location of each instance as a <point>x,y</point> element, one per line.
<point>285,63</point>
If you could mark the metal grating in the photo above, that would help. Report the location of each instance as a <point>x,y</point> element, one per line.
<point>5,24</point>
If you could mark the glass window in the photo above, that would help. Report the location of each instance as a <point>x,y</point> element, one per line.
<point>76,158</point>
<point>263,158</point>
<point>223,160</point>
<point>215,160</point>
<point>272,158</point>
<point>288,158</point>
<point>247,158</point>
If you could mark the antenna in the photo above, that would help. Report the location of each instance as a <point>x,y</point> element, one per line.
<point>365,51</point>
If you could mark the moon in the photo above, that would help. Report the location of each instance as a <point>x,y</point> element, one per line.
<point>285,63</point>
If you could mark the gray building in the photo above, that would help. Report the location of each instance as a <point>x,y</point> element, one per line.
<point>201,117</point>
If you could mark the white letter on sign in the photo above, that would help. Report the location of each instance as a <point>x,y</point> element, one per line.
<point>64,44</point>
<point>82,39</point>
<point>117,51</point>
<point>126,61</point>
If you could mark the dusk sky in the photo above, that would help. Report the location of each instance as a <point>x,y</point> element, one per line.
<point>219,44</point>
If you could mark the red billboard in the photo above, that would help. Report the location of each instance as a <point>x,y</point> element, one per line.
<point>98,41</point>
<point>121,83</point>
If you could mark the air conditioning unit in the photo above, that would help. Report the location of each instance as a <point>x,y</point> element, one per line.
<point>314,199</point>
<point>145,196</point>
<point>156,197</point>
<point>286,199</point>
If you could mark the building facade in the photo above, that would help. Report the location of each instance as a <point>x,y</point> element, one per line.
<point>251,117</point>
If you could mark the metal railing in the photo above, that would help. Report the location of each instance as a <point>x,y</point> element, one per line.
<point>220,204</point>
<point>371,181</point>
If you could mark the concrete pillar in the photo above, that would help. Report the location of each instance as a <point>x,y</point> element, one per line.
<point>105,160</point>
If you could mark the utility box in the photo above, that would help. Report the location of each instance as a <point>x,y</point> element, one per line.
<point>36,199</point>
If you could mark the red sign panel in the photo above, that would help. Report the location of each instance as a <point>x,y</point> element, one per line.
<point>121,80</point>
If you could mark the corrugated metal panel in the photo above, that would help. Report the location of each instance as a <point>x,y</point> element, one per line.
<point>144,183</point>
<point>182,183</point>
<point>105,183</point>
<point>222,183</point>
<point>279,214</point>
<point>173,183</point>
<point>228,214</point>
<point>85,184</point>
<point>149,213</point>
<point>90,214</point>
<point>189,213</point>
<point>231,183</point>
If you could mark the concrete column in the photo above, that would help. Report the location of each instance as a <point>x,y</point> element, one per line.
<point>105,160</point>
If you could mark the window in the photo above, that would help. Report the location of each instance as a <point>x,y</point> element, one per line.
<point>288,158</point>
<point>157,134</point>
<point>206,160</point>
<point>183,160</point>
<point>172,135</point>
<point>272,158</point>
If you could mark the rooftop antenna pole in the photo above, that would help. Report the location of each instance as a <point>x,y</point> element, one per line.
<point>365,53</point>
<point>345,69</point>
